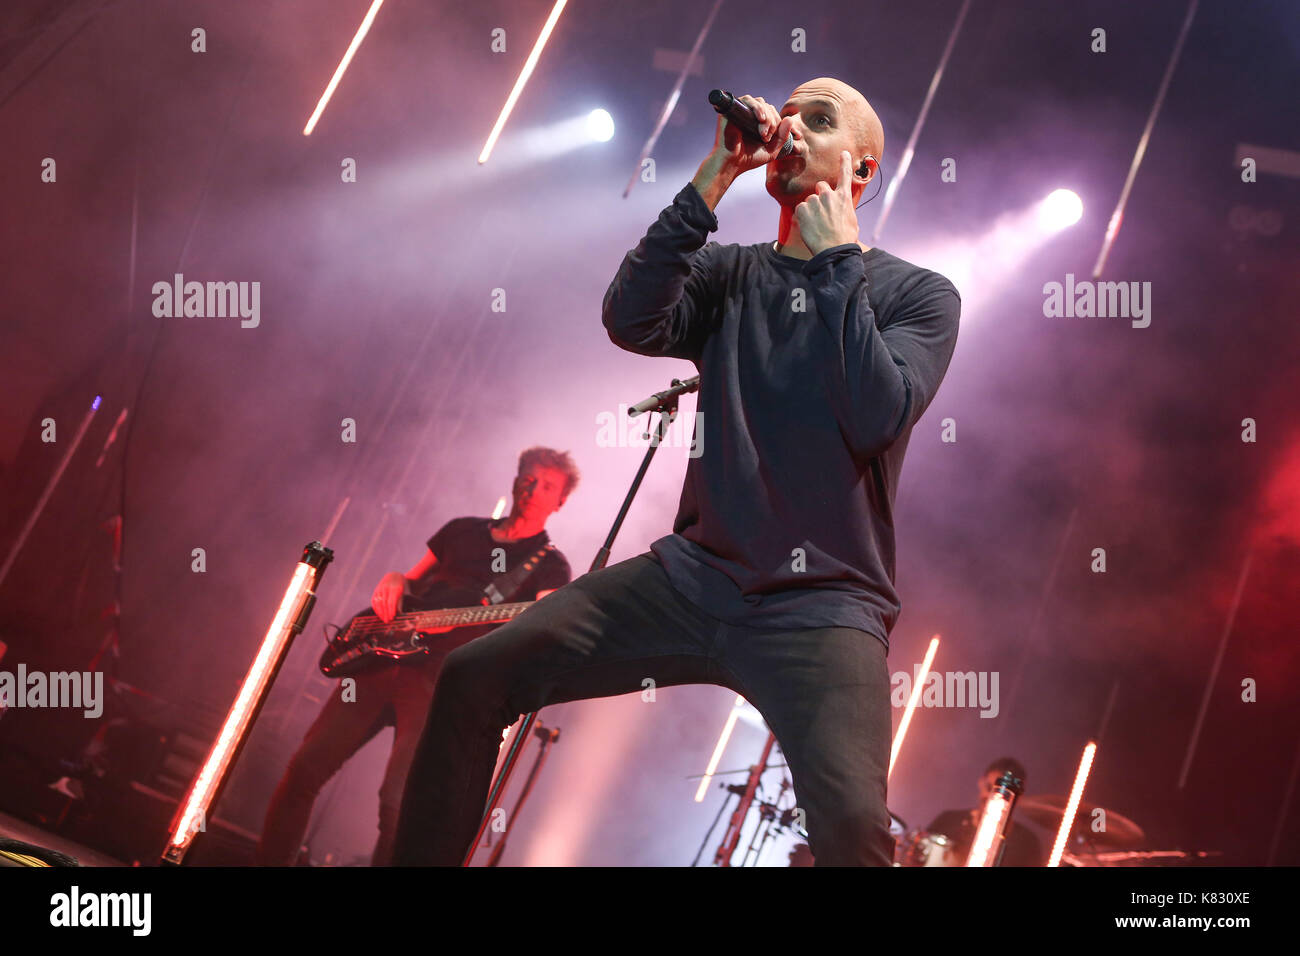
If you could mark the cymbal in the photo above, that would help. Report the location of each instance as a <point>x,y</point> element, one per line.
<point>1047,811</point>
<point>1136,857</point>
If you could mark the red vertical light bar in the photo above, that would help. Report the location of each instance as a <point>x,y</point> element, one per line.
<point>191,817</point>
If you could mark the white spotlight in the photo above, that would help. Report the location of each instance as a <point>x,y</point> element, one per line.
<point>600,126</point>
<point>1062,208</point>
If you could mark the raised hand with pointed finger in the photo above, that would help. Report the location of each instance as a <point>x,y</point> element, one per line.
<point>827,217</point>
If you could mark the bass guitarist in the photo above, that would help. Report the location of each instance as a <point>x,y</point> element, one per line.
<point>466,558</point>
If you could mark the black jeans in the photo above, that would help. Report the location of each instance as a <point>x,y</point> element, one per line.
<point>390,695</point>
<point>824,692</point>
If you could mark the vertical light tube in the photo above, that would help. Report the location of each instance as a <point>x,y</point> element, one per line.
<point>49,490</point>
<point>901,733</point>
<point>289,620</point>
<point>1117,217</point>
<point>720,747</point>
<point>343,66</point>
<point>1072,807</point>
<point>524,74</point>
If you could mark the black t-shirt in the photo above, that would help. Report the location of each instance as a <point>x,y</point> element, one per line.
<point>1023,848</point>
<point>469,559</point>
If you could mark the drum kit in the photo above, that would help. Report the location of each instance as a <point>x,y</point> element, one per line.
<point>1113,844</point>
<point>922,848</point>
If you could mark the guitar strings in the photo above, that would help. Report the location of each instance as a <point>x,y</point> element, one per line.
<point>491,611</point>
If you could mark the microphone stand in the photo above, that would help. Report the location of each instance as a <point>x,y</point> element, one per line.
<point>767,824</point>
<point>665,404</point>
<point>731,836</point>
<point>768,811</point>
<point>732,789</point>
<point>545,736</point>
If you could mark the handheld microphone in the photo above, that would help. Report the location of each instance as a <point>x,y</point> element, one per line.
<point>744,118</point>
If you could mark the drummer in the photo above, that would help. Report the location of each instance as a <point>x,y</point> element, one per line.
<point>1022,847</point>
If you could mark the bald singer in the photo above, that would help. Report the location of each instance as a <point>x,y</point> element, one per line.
<point>817,355</point>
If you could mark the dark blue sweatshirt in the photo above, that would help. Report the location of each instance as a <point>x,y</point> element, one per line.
<point>812,374</point>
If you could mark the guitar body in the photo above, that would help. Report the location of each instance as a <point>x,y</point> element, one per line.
<point>366,642</point>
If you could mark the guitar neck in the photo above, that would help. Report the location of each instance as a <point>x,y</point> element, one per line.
<point>464,616</point>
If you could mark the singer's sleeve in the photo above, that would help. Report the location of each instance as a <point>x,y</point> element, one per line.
<point>881,380</point>
<point>663,300</point>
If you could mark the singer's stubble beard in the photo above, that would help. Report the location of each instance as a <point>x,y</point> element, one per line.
<point>780,184</point>
<point>785,190</point>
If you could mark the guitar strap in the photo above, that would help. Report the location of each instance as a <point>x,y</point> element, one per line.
<point>510,583</point>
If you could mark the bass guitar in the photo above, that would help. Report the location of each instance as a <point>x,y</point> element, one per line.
<point>367,641</point>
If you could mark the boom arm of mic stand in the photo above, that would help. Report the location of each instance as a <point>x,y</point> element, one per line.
<point>667,414</point>
<point>666,404</point>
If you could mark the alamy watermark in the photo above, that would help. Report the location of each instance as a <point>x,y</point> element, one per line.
<point>213,300</point>
<point>1102,300</point>
<point>617,430</point>
<point>128,910</point>
<point>947,689</point>
<point>79,690</point>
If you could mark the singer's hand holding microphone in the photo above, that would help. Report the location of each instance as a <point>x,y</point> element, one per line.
<point>750,134</point>
<point>750,131</point>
